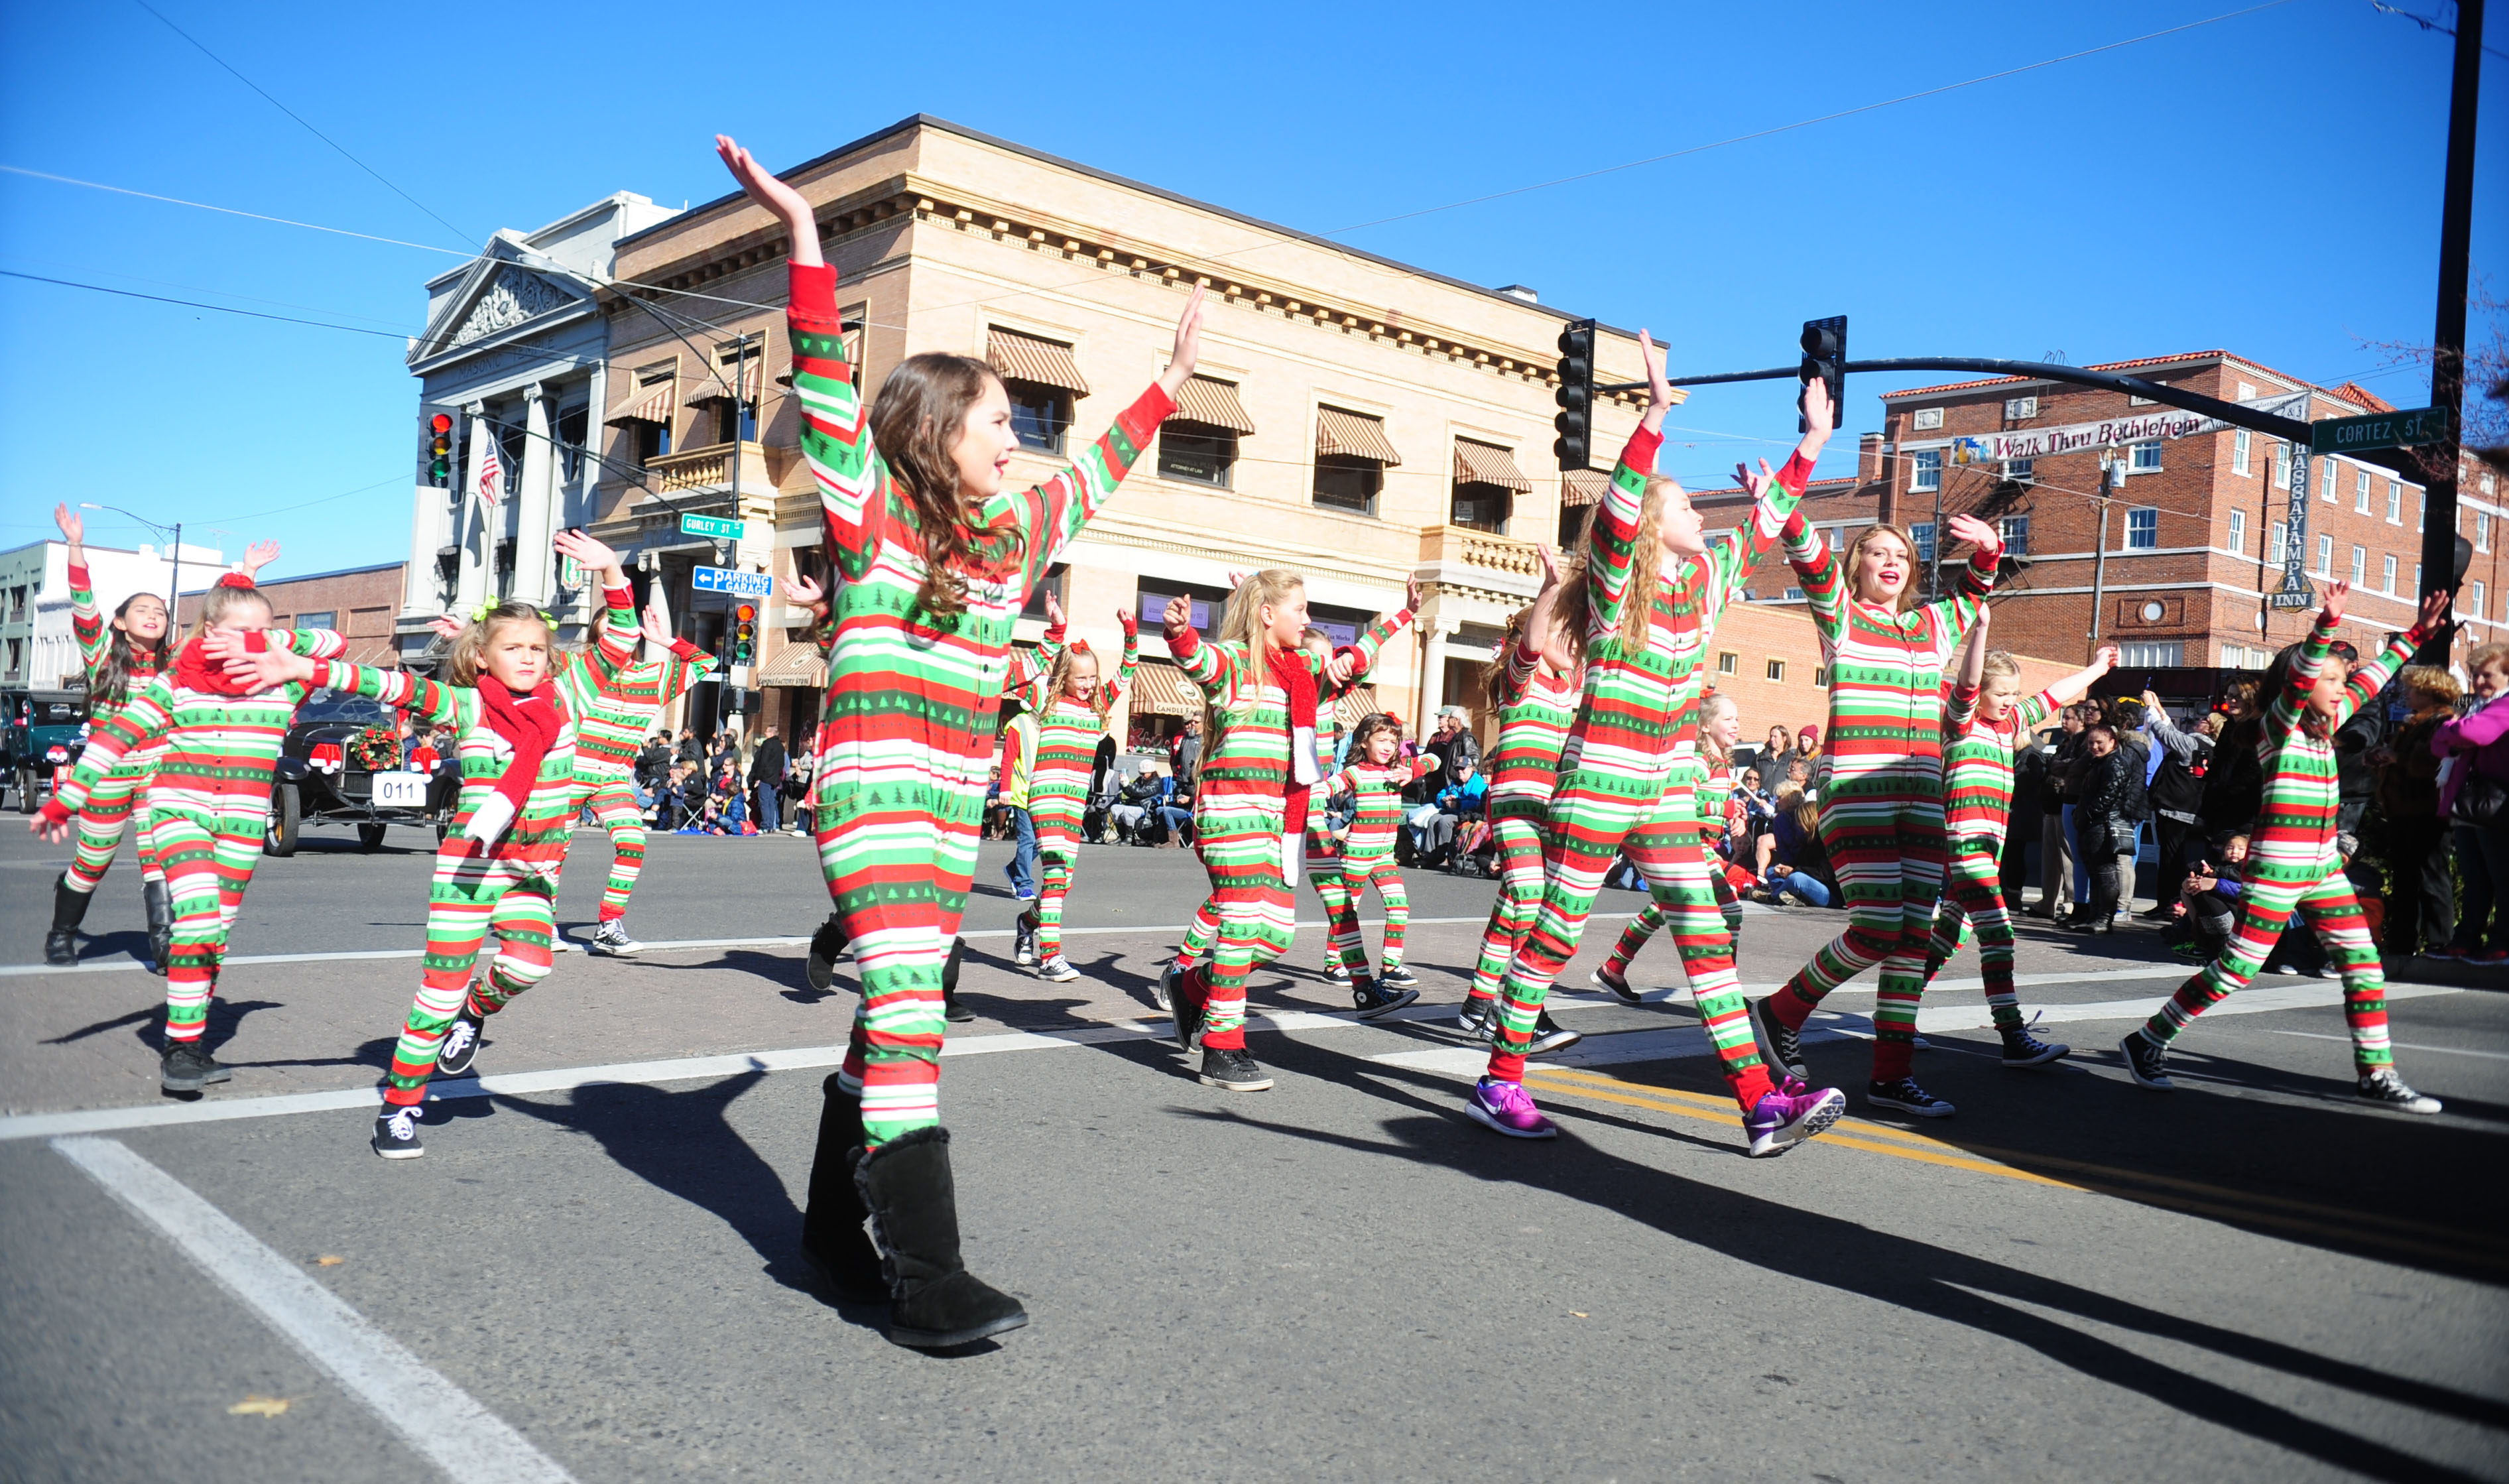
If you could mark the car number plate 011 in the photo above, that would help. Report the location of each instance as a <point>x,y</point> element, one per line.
<point>400,790</point>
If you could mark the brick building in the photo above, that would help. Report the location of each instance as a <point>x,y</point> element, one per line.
<point>358,602</point>
<point>2196,527</point>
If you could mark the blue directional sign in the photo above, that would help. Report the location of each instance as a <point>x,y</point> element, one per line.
<point>724,579</point>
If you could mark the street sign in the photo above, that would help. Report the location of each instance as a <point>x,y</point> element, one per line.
<point>713,527</point>
<point>722,579</point>
<point>2378,430</point>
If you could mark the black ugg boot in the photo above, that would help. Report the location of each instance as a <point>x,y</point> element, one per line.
<point>832,1239</point>
<point>827,946</point>
<point>159,903</point>
<point>69,910</point>
<point>950,1009</point>
<point>935,1302</point>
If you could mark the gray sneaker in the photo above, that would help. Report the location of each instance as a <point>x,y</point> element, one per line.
<point>612,938</point>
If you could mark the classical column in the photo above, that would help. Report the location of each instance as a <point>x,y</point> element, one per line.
<point>430,532</point>
<point>471,530</point>
<point>1436,628</point>
<point>535,506</point>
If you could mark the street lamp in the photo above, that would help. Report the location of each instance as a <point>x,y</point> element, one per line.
<point>173,550</point>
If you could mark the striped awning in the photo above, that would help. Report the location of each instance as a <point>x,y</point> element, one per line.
<point>1356,705</point>
<point>1204,400</point>
<point>796,664</point>
<point>718,387</point>
<point>1484,464</point>
<point>1354,433</point>
<point>655,404</point>
<point>1161,690</point>
<point>1026,358</point>
<point>1583,487</point>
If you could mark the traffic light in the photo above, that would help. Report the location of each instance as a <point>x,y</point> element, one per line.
<point>744,634</point>
<point>440,471</point>
<point>1576,396</point>
<point>1824,356</point>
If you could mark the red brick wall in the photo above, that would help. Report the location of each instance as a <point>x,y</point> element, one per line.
<point>361,605</point>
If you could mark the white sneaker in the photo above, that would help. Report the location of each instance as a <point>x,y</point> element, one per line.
<point>612,938</point>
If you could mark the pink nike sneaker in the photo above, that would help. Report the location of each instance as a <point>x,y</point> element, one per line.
<point>1505,1106</point>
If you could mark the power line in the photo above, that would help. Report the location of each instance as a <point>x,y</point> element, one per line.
<point>224,293</point>
<point>127,293</point>
<point>299,118</point>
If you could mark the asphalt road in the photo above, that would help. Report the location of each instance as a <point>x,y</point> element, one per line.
<point>1339,1278</point>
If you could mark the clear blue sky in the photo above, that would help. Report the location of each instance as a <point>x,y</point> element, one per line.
<point>2270,183</point>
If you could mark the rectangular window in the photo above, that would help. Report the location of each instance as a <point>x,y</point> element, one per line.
<point>1197,453</point>
<point>1794,595</point>
<point>2360,565</point>
<point>2421,509</point>
<point>1928,471</point>
<point>2325,481</point>
<point>1728,662</point>
<point>2282,465</point>
<point>2147,457</point>
<point>329,619</point>
<point>1820,676</point>
<point>2474,591</point>
<point>1352,455</point>
<point>1347,483</point>
<point>2361,491</point>
<point>2326,556</point>
<point>574,425</point>
<point>2246,394</point>
<point>2239,452</point>
<point>2395,503</point>
<point>1929,419</point>
<point>2482,532</point>
<point>2142,529</point>
<point>2020,409</point>
<point>1924,532</point>
<point>2240,531</point>
<point>2387,574</point>
<point>1041,414</point>
<point>2152,656</point>
<point>2277,542</point>
<point>2016,535</point>
<point>2021,470</point>
<point>1777,669</point>
<point>652,441</point>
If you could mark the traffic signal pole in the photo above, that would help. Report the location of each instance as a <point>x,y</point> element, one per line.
<point>2440,571</point>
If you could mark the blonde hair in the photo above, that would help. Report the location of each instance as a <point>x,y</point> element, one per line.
<point>469,653</point>
<point>1710,705</point>
<point>222,599</point>
<point>2434,680</point>
<point>1576,601</point>
<point>1864,538</point>
<point>1241,622</point>
<point>1101,695</point>
<point>2000,665</point>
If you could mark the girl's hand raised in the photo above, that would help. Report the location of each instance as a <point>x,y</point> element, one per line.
<point>1975,531</point>
<point>1188,346</point>
<point>73,530</point>
<point>2434,612</point>
<point>777,196</point>
<point>2337,592</point>
<point>1759,484</point>
<point>1130,620</point>
<point>1177,620</point>
<point>650,625</point>
<point>259,555</point>
<point>1054,619</point>
<point>1658,391</point>
<point>805,592</point>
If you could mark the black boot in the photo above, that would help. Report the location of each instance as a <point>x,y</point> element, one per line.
<point>935,1302</point>
<point>827,946</point>
<point>159,903</point>
<point>950,1009</point>
<point>69,910</point>
<point>832,1239</point>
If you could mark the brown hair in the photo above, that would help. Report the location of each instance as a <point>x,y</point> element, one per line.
<point>1494,669</point>
<point>1368,727</point>
<point>111,682</point>
<point>463,665</point>
<point>921,411</point>
<point>1864,538</point>
<point>1576,602</point>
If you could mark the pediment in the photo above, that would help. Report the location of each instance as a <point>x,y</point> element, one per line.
<point>502,297</point>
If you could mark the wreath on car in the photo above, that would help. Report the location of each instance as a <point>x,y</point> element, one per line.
<point>377,749</point>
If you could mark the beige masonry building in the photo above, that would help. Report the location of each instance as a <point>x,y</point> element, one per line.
<point>1356,420</point>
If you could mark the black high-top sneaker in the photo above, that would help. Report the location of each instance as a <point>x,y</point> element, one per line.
<point>1779,1043</point>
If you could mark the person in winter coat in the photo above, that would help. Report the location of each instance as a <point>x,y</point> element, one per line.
<point>2474,753</point>
<point>2177,791</point>
<point>2103,822</point>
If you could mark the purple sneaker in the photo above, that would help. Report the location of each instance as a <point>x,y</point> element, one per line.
<point>1785,1118</point>
<point>1507,1108</point>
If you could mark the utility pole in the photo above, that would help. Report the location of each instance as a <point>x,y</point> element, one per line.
<point>2100,555</point>
<point>2448,336</point>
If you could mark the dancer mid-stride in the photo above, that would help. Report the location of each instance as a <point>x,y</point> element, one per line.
<point>934,558</point>
<point>118,658</point>
<point>1059,684</point>
<point>1882,811</point>
<point>2294,866</point>
<point>1720,726</point>
<point>1375,780</point>
<point>1650,594</point>
<point>609,730</point>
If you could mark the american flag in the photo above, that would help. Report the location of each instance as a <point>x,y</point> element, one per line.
<point>492,475</point>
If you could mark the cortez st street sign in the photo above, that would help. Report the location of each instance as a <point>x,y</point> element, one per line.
<point>2379,429</point>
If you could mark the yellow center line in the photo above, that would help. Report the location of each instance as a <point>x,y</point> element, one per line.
<point>2453,1245</point>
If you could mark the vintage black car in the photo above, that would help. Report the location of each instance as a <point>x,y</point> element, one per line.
<point>342,764</point>
<point>43,733</point>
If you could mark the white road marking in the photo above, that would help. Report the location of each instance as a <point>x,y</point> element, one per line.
<point>2442,1050</point>
<point>1655,1044</point>
<point>432,1414</point>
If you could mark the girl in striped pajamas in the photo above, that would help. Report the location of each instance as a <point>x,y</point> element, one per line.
<point>934,559</point>
<point>1882,811</point>
<point>1375,779</point>
<point>128,653</point>
<point>1720,726</point>
<point>1060,686</point>
<point>217,739</point>
<point>1251,793</point>
<point>1532,683</point>
<point>1643,608</point>
<point>2293,865</point>
<point>1986,720</point>
<point>608,731</point>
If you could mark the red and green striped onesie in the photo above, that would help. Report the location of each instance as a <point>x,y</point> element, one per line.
<point>913,702</point>
<point>609,732</point>
<point>1713,799</point>
<point>1629,770</point>
<point>1067,730</point>
<point>1251,804</point>
<point>1368,860</point>
<point>1882,811</point>
<point>1977,808</point>
<point>120,796</point>
<point>2293,863</point>
<point>210,806</point>
<point>1523,769</point>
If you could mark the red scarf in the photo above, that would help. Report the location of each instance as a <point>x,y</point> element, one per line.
<point>529,721</point>
<point>194,670</point>
<point>1289,671</point>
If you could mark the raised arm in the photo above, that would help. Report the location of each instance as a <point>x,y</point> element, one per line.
<point>87,622</point>
<point>2283,709</point>
<point>2372,676</point>
<point>1774,499</point>
<point>1351,664</point>
<point>1959,692</point>
<point>1614,543</point>
<point>1124,667</point>
<point>1207,665</point>
<point>1954,615</point>
<point>614,631</point>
